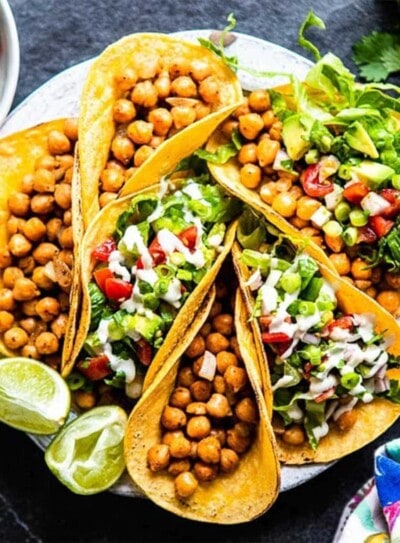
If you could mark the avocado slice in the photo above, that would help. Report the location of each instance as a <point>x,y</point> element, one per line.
<point>373,172</point>
<point>358,138</point>
<point>295,132</point>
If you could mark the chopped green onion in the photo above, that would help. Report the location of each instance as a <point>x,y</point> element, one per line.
<point>350,236</point>
<point>306,308</point>
<point>75,381</point>
<point>332,229</point>
<point>344,172</point>
<point>161,287</point>
<point>350,380</point>
<point>184,275</point>
<point>312,353</point>
<point>342,211</point>
<point>313,289</point>
<point>396,181</point>
<point>312,156</point>
<point>177,259</point>
<point>290,282</point>
<point>326,318</point>
<point>358,217</point>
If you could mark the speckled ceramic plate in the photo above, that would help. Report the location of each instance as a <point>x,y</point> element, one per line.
<point>59,97</point>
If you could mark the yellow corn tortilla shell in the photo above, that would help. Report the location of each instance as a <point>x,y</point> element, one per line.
<point>97,127</point>
<point>18,155</point>
<point>231,498</point>
<point>373,419</point>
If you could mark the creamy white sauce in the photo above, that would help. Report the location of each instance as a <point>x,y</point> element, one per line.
<point>193,191</point>
<point>171,243</point>
<point>320,431</point>
<point>115,261</point>
<point>102,330</point>
<point>133,238</point>
<point>215,240</point>
<point>295,413</point>
<point>173,294</point>
<point>318,386</point>
<point>284,381</point>
<point>269,298</point>
<point>305,322</point>
<point>119,364</point>
<point>344,408</point>
<point>147,275</point>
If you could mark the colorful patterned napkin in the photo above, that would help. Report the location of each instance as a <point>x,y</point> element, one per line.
<point>373,514</point>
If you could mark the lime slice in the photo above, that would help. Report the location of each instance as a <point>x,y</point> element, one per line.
<point>87,454</point>
<point>33,397</point>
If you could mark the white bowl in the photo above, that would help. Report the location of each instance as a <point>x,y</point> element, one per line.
<point>9,59</point>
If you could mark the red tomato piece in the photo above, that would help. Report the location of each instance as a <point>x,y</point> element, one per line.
<point>144,352</point>
<point>345,322</point>
<point>380,226</point>
<point>312,185</point>
<point>308,367</point>
<point>95,368</point>
<point>275,337</point>
<point>280,348</point>
<point>101,275</point>
<point>366,235</point>
<point>157,254</point>
<point>188,237</point>
<point>355,192</point>
<point>103,251</point>
<point>393,197</point>
<point>325,395</point>
<point>117,289</point>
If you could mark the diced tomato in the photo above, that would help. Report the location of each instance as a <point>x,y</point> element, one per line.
<point>393,197</point>
<point>103,251</point>
<point>156,253</point>
<point>117,289</point>
<point>274,337</point>
<point>95,368</point>
<point>366,235</point>
<point>308,367</point>
<point>345,322</point>
<point>312,185</point>
<point>280,348</point>
<point>144,352</point>
<point>355,192</point>
<point>101,275</point>
<point>325,395</point>
<point>188,237</point>
<point>380,226</point>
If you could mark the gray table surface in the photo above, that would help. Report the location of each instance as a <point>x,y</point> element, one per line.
<point>34,507</point>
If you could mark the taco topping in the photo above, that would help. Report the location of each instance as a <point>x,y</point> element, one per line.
<point>162,247</point>
<point>325,362</point>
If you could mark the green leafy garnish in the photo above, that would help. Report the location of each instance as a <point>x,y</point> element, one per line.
<point>221,155</point>
<point>377,55</point>
<point>310,20</point>
<point>219,49</point>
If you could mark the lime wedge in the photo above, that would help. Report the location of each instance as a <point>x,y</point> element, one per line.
<point>33,397</point>
<point>87,454</point>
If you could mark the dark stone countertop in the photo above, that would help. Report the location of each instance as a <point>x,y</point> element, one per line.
<point>34,507</point>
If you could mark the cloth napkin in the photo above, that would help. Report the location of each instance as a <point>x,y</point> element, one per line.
<point>373,514</point>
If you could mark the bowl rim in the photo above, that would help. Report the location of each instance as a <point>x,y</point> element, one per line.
<point>12,59</point>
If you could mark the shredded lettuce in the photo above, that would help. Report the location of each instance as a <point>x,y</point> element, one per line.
<point>97,304</point>
<point>310,20</point>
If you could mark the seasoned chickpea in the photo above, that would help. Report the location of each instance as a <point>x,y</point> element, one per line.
<point>225,359</point>
<point>19,245</point>
<point>259,100</point>
<point>6,321</point>
<point>144,94</point>
<point>228,127</point>
<point>64,162</point>
<point>107,197</point>
<point>235,378</point>
<point>30,351</point>
<point>218,406</point>
<point>201,390</point>
<point>62,195</point>
<point>122,148</point>
<point>47,343</point>
<point>27,264</point>
<point>223,324</point>
<point>29,324</point>
<point>158,457</point>
<point>19,204</point>
<point>347,420</point>
<point>42,204</point>
<point>219,384</point>
<point>268,118</point>
<point>275,132</point>
<point>10,275</point>
<point>196,408</point>
<point>360,269</point>
<point>180,397</point>
<point>266,151</point>
<point>124,111</point>
<point>184,86</point>
<point>27,183</point>
<point>127,78</point>
<point>216,309</point>
<point>59,325</point>
<point>285,204</point>
<point>161,119</point>
<point>111,180</point>
<point>186,484</point>
<point>200,69</point>
<point>65,238</point>
<point>169,436</point>
<point>40,277</point>
<point>183,116</point>
<point>391,278</point>
<point>53,227</point>
<point>268,192</point>
<point>180,447</point>
<point>216,342</point>
<point>140,132</point>
<point>85,400</point>
<point>178,466</point>
<point>163,85</point>
<point>34,229</point>
<point>44,180</point>
<point>306,207</point>
<point>362,284</point>
<point>186,376</point>
<point>202,110</point>
<point>196,348</point>
<point>29,308</point>
<point>58,143</point>
<point>5,258</point>
<point>44,252</point>
<point>229,460</point>
<point>142,154</point>
<point>250,175</point>
<point>209,90</point>
<point>247,153</point>
<point>71,129</point>
<point>156,141</point>
<point>209,450</point>
<point>246,410</point>
<point>198,427</point>
<point>48,308</point>
<point>294,435</point>
<point>205,472</point>
<point>15,338</point>
<point>239,443</point>
<point>173,418</point>
<point>205,329</point>
<point>235,347</point>
<point>25,289</point>
<point>389,300</point>
<point>250,125</point>
<point>334,243</point>
<point>15,224</point>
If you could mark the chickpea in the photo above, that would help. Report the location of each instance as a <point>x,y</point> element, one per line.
<point>183,116</point>
<point>268,118</point>
<point>200,69</point>
<point>168,437</point>
<point>27,183</point>
<point>225,359</point>
<point>142,154</point>
<point>19,245</point>
<point>238,443</point>
<point>362,284</point>
<point>196,408</point>
<point>266,151</point>
<point>65,162</point>
<point>243,109</point>
<point>124,111</point>
<point>285,204</point>
<point>229,460</point>
<point>156,141</point>
<point>85,400</point>
<point>53,227</point>
<point>42,204</point>
<point>25,289</point>
<point>186,377</point>
<point>62,195</point>
<point>158,457</point>
<point>71,129</point>
<point>30,351</point>
<point>29,308</point>
<point>218,406</point>
<point>180,447</point>
<point>209,450</point>
<point>223,324</point>
<point>111,180</point>
<point>202,110</point>
<point>161,119</point>
<point>184,86</point>
<point>306,207</point>
<point>250,175</point>
<point>107,197</point>
<point>15,224</point>
<point>259,100</point>
<point>58,143</point>
<point>10,275</point>
<point>216,309</point>
<point>173,418</point>
<point>144,94</point>
<point>228,127</point>
<point>5,258</point>
<point>201,390</point>
<point>250,125</point>
<point>389,300</point>
<point>163,85</point>
<point>360,270</point>
<point>26,264</point>
<point>209,90</point>
<point>178,466</point>
<point>127,78</point>
<point>246,410</point>
<point>15,338</point>
<point>180,397</point>
<point>186,484</point>
<point>275,132</point>
<point>391,278</point>
<point>6,321</point>
<point>268,192</point>
<point>140,132</point>
<point>34,229</point>
<point>42,280</point>
<point>235,347</point>
<point>48,308</point>
<point>29,324</point>
<point>67,217</point>
<point>45,252</point>
<point>68,175</point>
<point>294,435</point>
<point>44,180</point>
<point>216,342</point>
<point>235,378</point>
<point>205,472</point>
<point>122,148</point>
<point>19,204</point>
<point>247,153</point>
<point>347,420</point>
<point>196,348</point>
<point>205,329</point>
<point>219,384</point>
<point>47,343</point>
<point>59,325</point>
<point>198,427</point>
<point>334,243</point>
<point>65,238</point>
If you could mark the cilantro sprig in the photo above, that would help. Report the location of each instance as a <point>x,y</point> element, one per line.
<point>377,55</point>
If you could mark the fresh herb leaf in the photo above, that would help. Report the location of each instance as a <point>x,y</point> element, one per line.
<point>97,304</point>
<point>219,49</point>
<point>377,55</point>
<point>310,20</point>
<point>221,155</point>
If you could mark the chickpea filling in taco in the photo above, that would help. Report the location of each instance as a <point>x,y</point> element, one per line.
<point>325,156</point>
<point>163,247</point>
<point>323,362</point>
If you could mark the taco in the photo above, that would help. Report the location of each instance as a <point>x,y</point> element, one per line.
<point>323,160</point>
<point>39,283</point>
<point>148,260</point>
<point>331,350</point>
<point>141,92</point>
<point>199,443</point>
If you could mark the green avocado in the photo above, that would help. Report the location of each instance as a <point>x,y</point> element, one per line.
<point>295,132</point>
<point>374,172</point>
<point>358,138</point>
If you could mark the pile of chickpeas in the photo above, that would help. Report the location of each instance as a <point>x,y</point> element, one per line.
<point>156,101</point>
<point>262,132</point>
<point>37,261</point>
<point>207,424</point>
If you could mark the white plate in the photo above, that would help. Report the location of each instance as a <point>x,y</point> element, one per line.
<point>9,58</point>
<point>59,97</point>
